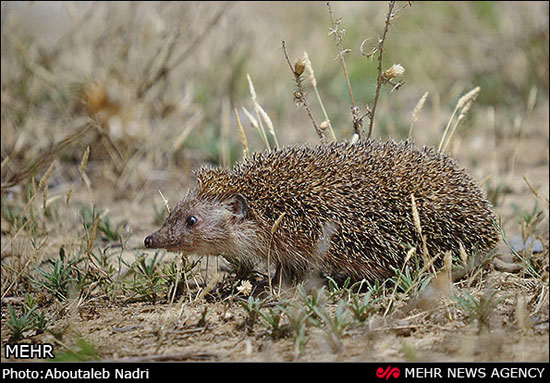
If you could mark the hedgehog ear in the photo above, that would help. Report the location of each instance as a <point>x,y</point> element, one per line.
<point>239,206</point>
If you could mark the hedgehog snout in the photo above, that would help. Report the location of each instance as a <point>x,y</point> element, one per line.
<point>149,242</point>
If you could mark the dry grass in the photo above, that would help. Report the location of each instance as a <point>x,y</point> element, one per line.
<point>119,101</point>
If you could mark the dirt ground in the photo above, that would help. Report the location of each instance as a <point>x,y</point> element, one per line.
<point>145,332</point>
<point>119,102</point>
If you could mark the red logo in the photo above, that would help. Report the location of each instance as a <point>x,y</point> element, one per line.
<point>389,372</point>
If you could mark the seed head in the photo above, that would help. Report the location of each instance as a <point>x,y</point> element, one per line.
<point>396,70</point>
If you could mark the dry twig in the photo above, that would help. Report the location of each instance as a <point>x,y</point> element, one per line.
<point>338,39</point>
<point>300,94</point>
<point>380,50</point>
<point>313,80</point>
<point>46,158</point>
<point>165,68</point>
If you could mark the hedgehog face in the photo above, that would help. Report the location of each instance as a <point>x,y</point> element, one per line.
<point>199,225</point>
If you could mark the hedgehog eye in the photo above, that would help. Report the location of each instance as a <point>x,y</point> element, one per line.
<point>191,220</point>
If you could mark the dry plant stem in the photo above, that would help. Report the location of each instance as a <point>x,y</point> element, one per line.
<point>273,229</point>
<point>224,131</point>
<point>543,298</point>
<point>244,142</point>
<point>26,222</point>
<point>331,130</point>
<point>464,104</point>
<point>43,181</point>
<point>165,69</point>
<point>269,124</point>
<point>340,53</point>
<point>47,157</point>
<point>302,98</point>
<point>190,124</point>
<point>256,125</point>
<point>460,118</point>
<point>209,286</point>
<point>447,128</point>
<point>206,268</point>
<point>416,218</point>
<point>62,42</point>
<point>253,97</point>
<point>535,192</point>
<point>4,162</point>
<point>91,243</point>
<point>261,114</point>
<point>187,289</point>
<point>166,206</point>
<point>410,253</point>
<point>380,49</point>
<point>69,36</point>
<point>83,164</point>
<point>115,155</point>
<point>33,257</point>
<point>423,270</point>
<point>84,160</point>
<point>313,80</point>
<point>17,232</point>
<point>37,70</point>
<point>416,112</point>
<point>162,57</point>
<point>357,121</point>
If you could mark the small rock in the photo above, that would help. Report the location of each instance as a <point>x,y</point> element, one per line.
<point>228,316</point>
<point>516,242</point>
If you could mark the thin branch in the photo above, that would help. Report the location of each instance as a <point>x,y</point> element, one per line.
<point>309,69</point>
<point>165,69</point>
<point>46,158</point>
<point>160,60</point>
<point>300,95</point>
<point>338,39</point>
<point>535,192</point>
<point>380,49</point>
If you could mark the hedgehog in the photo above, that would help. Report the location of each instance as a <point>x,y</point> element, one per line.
<point>341,209</point>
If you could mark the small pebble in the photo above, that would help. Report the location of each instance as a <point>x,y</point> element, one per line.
<point>516,242</point>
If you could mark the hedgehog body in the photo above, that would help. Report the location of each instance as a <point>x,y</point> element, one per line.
<point>344,209</point>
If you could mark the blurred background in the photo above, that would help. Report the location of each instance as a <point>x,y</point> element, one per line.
<point>127,98</point>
